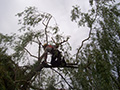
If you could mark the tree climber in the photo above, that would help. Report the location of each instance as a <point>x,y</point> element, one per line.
<point>56,59</point>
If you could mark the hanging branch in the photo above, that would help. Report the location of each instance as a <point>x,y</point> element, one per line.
<point>63,78</point>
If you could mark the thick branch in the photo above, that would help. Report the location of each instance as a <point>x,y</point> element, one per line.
<point>68,65</point>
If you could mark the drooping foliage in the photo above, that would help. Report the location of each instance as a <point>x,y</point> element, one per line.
<point>99,60</point>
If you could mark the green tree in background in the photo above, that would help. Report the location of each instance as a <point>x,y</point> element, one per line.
<point>99,59</point>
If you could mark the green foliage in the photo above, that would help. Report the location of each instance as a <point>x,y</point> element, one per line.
<point>36,30</point>
<point>6,71</point>
<point>99,59</point>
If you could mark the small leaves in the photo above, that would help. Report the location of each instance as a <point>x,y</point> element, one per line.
<point>30,17</point>
<point>75,13</point>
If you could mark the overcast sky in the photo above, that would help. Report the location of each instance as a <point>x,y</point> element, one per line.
<point>59,9</point>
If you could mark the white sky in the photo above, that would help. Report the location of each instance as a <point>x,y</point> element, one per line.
<point>59,9</point>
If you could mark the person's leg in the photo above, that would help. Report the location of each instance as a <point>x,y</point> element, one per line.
<point>54,61</point>
<point>61,60</point>
<point>63,63</point>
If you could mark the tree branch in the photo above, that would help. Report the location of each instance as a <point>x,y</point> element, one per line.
<point>60,42</point>
<point>64,41</point>
<point>68,66</point>
<point>35,41</point>
<point>63,78</point>
<point>30,53</point>
<point>46,26</point>
<point>86,38</point>
<point>83,43</point>
<point>39,48</point>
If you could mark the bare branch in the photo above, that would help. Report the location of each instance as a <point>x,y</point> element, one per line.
<point>83,43</point>
<point>63,78</point>
<point>30,53</point>
<point>64,41</point>
<point>86,38</point>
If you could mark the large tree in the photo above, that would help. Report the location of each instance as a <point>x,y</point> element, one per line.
<point>36,29</point>
<point>99,59</point>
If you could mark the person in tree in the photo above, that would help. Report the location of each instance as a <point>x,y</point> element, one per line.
<point>56,59</point>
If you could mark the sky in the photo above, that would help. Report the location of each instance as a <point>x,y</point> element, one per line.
<point>59,9</point>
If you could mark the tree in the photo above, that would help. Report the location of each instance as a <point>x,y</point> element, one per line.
<point>37,28</point>
<point>99,59</point>
<point>7,66</point>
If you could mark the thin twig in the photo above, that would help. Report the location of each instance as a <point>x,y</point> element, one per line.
<point>30,53</point>
<point>53,40</point>
<point>63,78</point>
<point>64,41</point>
